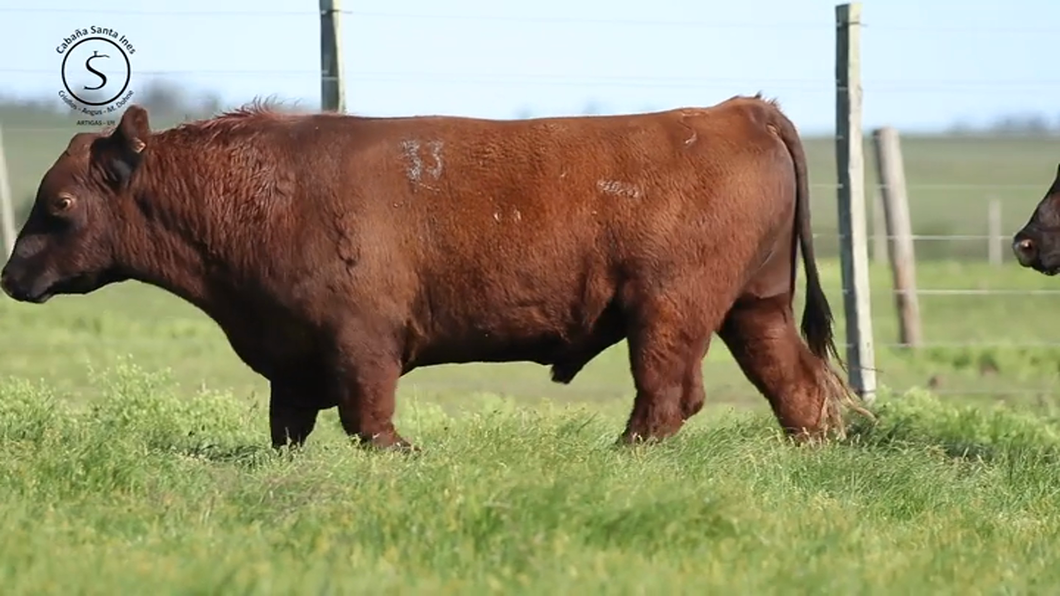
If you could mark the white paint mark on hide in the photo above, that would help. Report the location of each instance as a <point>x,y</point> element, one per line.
<point>416,168</point>
<point>691,139</point>
<point>515,216</point>
<point>614,187</point>
<point>435,148</point>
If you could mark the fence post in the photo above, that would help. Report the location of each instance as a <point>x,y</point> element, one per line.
<point>332,90</point>
<point>891,174</point>
<point>850,166</point>
<point>993,231</point>
<point>7,210</point>
<point>879,229</point>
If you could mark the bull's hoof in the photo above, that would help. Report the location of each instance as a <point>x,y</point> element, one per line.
<point>387,444</point>
<point>631,439</point>
<point>564,373</point>
<point>807,437</point>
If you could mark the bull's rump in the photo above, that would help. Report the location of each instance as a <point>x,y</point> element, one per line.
<point>522,235</point>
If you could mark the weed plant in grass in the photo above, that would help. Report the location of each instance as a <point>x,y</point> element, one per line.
<point>138,491</point>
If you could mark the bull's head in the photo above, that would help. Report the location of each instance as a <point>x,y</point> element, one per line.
<point>68,244</point>
<point>1037,245</point>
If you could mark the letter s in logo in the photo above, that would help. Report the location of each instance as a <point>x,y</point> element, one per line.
<point>88,66</point>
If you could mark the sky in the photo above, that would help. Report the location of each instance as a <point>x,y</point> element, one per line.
<point>925,64</point>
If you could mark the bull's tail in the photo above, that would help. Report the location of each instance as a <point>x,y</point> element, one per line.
<point>817,322</point>
<point>817,319</point>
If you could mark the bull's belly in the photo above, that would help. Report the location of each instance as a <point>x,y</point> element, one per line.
<point>565,345</point>
<point>542,348</point>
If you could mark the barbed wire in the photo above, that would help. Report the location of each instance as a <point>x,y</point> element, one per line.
<point>940,137</point>
<point>1005,238</point>
<point>161,13</point>
<point>787,25</point>
<point>623,81</point>
<point>971,292</point>
<point>921,237</point>
<point>195,340</point>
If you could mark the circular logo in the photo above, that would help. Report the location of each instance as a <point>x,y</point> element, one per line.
<point>96,71</point>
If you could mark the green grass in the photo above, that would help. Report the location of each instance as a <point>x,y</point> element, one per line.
<point>141,491</point>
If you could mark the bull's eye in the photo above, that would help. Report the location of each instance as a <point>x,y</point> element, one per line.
<point>63,204</point>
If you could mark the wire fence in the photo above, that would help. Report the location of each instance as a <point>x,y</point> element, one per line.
<point>957,181</point>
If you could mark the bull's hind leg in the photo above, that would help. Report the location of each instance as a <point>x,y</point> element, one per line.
<point>667,342</point>
<point>802,389</point>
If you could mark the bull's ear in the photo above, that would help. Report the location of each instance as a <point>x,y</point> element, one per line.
<point>122,150</point>
<point>134,130</point>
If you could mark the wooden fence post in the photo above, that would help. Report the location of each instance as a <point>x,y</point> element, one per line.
<point>7,210</point>
<point>891,173</point>
<point>850,165</point>
<point>879,229</point>
<point>995,248</point>
<point>332,90</point>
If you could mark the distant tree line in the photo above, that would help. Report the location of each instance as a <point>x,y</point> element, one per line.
<point>1012,124</point>
<point>170,100</point>
<point>167,99</point>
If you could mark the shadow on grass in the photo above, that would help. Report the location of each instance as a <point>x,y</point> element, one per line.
<point>245,455</point>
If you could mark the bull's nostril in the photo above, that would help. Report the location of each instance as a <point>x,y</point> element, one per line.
<point>1025,250</point>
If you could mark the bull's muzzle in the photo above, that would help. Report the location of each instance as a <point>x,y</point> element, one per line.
<point>6,283</point>
<point>1025,249</point>
<point>19,288</point>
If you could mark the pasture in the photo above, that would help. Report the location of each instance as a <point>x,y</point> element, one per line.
<point>145,492</point>
<point>134,457</point>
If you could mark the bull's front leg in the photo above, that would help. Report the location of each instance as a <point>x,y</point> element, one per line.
<point>366,375</point>
<point>292,412</point>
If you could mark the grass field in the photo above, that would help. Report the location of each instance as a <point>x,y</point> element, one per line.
<point>134,458</point>
<point>147,493</point>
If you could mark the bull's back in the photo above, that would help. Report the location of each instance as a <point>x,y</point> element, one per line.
<point>472,185</point>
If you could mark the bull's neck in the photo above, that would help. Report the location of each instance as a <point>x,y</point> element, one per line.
<point>183,233</point>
